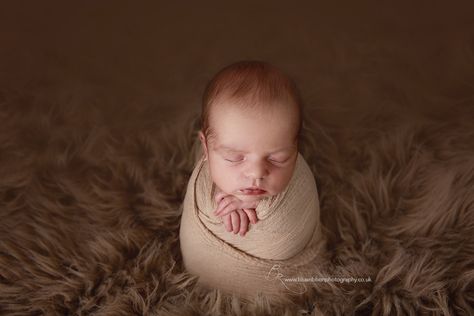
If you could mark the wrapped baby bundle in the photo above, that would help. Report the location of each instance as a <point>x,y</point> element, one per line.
<point>282,246</point>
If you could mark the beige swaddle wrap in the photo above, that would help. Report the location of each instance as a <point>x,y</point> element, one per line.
<point>284,243</point>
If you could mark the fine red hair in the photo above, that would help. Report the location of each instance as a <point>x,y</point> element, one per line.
<point>249,84</point>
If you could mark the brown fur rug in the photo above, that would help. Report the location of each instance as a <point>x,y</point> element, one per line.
<point>90,211</point>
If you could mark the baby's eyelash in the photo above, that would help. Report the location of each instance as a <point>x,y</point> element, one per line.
<point>232,160</point>
<point>280,161</point>
<point>271,160</point>
<point>276,161</point>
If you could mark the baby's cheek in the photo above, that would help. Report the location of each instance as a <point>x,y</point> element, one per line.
<point>281,182</point>
<point>226,177</point>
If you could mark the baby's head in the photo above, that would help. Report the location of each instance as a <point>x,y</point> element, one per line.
<point>251,120</point>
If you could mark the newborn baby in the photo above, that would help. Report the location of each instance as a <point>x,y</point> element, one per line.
<point>251,122</point>
<point>251,151</point>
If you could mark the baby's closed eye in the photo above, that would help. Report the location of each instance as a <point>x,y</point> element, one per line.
<point>279,159</point>
<point>234,158</point>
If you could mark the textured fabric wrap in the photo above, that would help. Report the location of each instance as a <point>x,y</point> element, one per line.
<point>284,243</point>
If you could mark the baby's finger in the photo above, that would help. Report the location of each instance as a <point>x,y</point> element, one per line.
<point>252,215</point>
<point>244,222</point>
<point>219,196</point>
<point>227,223</point>
<point>223,204</point>
<point>235,222</point>
<point>229,208</point>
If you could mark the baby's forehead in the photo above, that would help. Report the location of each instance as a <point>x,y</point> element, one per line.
<point>250,125</point>
<point>258,110</point>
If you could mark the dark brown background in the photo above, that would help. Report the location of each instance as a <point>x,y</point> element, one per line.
<point>92,176</point>
<point>348,60</point>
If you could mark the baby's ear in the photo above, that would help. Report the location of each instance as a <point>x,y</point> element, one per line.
<point>202,138</point>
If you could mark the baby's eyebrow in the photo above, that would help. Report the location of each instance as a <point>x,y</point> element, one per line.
<point>226,148</point>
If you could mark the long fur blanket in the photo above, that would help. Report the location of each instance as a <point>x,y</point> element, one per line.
<point>89,215</point>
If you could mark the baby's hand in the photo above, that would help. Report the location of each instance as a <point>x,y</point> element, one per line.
<point>238,221</point>
<point>235,213</point>
<point>227,203</point>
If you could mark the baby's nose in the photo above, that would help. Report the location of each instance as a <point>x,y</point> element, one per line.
<point>257,171</point>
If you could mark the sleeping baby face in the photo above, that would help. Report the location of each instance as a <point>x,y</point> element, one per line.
<point>254,151</point>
